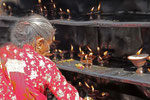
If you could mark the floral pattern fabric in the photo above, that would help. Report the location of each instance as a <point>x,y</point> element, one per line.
<point>39,72</point>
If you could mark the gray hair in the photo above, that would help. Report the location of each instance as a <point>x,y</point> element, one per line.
<point>26,29</point>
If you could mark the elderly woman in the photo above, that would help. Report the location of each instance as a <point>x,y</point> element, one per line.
<point>26,72</point>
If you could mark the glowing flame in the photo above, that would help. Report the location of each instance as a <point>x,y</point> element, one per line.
<point>54,5</point>
<point>100,58</point>
<point>148,69</point>
<point>103,94</point>
<point>41,9</point>
<point>86,85</point>
<point>71,47</point>
<point>99,7</point>
<point>53,38</point>
<point>92,9</point>
<point>89,49</point>
<point>80,49</point>
<point>98,49</point>
<point>105,53</point>
<point>4,4</point>
<point>60,51</point>
<point>44,7</point>
<point>9,7</point>
<point>56,50</point>
<point>60,9</point>
<point>82,52</point>
<point>68,11</point>
<point>88,98</point>
<point>39,1</point>
<point>80,84</point>
<point>32,11</point>
<point>86,57</point>
<point>91,53</point>
<point>92,88</point>
<point>139,52</point>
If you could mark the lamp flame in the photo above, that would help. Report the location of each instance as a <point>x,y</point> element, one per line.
<point>60,9</point>
<point>86,57</point>
<point>53,38</point>
<point>91,53</point>
<point>56,50</point>
<point>41,9</point>
<point>71,47</point>
<point>92,88</point>
<point>82,52</point>
<point>80,49</point>
<point>32,11</point>
<point>45,7</point>
<point>100,58</point>
<point>39,1</point>
<point>99,7</point>
<point>4,4</point>
<point>54,5</point>
<point>80,84</point>
<point>86,85</point>
<point>92,9</point>
<point>103,94</point>
<point>68,11</point>
<point>148,69</point>
<point>60,51</point>
<point>105,53</point>
<point>139,52</point>
<point>9,7</point>
<point>98,49</point>
<point>89,49</point>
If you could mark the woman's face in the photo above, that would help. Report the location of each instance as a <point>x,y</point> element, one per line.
<point>45,47</point>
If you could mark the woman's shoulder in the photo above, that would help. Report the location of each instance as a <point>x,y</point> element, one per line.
<point>49,60</point>
<point>0,63</point>
<point>8,47</point>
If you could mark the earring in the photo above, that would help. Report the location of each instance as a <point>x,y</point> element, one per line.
<point>38,50</point>
<point>39,47</point>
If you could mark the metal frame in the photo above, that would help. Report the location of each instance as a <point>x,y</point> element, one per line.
<point>115,74</point>
<point>92,23</point>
